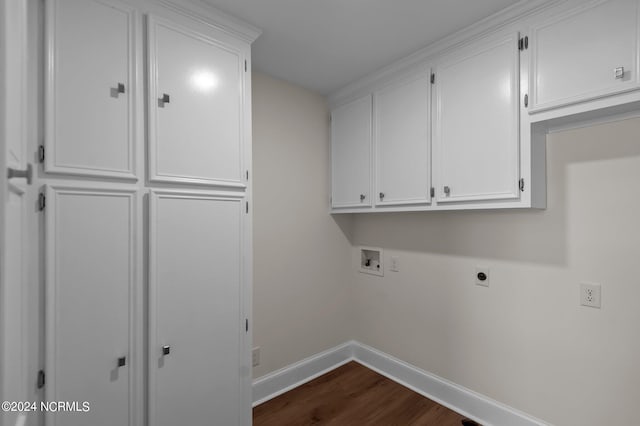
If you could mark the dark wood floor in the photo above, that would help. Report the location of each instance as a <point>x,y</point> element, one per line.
<point>353,395</point>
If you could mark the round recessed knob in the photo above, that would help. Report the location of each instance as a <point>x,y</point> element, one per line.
<point>482,276</point>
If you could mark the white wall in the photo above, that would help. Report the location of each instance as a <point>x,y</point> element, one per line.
<point>301,294</point>
<point>524,341</point>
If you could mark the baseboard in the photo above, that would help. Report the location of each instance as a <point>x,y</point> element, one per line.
<point>470,404</point>
<point>464,401</point>
<point>301,372</point>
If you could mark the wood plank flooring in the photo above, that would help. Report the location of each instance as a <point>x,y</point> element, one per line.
<point>353,395</point>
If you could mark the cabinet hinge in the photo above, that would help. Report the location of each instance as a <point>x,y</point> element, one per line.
<point>521,184</point>
<point>246,324</point>
<point>433,78</point>
<point>40,380</point>
<point>433,192</point>
<point>523,43</point>
<point>41,153</point>
<point>245,65</point>
<point>247,207</point>
<point>42,201</point>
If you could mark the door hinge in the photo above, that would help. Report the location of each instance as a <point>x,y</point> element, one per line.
<point>246,324</point>
<point>521,184</point>
<point>523,43</point>
<point>41,153</point>
<point>42,201</point>
<point>433,78</point>
<point>245,65</point>
<point>432,192</point>
<point>40,380</point>
<point>247,207</point>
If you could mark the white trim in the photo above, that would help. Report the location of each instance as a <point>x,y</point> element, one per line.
<point>470,404</point>
<point>294,375</point>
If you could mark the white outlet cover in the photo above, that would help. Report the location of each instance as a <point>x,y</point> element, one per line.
<point>591,295</point>
<point>255,356</point>
<point>395,264</point>
<point>482,270</point>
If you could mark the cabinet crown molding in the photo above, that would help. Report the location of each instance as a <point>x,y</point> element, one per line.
<point>205,13</point>
<point>483,27</point>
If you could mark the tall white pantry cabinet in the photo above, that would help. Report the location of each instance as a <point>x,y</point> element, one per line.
<point>145,199</point>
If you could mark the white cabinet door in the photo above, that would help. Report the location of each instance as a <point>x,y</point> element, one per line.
<point>90,87</point>
<point>403,144</point>
<point>584,53</point>
<point>351,154</point>
<point>195,105</point>
<point>476,138</point>
<point>196,310</point>
<point>92,281</point>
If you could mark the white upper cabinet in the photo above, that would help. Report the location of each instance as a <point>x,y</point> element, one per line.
<point>476,128</point>
<point>402,117</point>
<point>90,88</point>
<point>351,154</point>
<point>584,53</point>
<point>195,107</point>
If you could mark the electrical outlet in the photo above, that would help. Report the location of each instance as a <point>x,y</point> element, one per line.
<point>395,264</point>
<point>482,276</point>
<point>590,295</point>
<point>255,356</point>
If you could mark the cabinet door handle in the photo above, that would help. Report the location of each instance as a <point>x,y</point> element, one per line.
<point>165,99</point>
<point>619,73</point>
<point>166,350</point>
<point>122,361</point>
<point>362,197</point>
<point>16,173</point>
<point>381,196</point>
<point>447,191</point>
<point>120,87</point>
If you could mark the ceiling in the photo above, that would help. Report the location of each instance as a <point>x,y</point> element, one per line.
<point>325,44</point>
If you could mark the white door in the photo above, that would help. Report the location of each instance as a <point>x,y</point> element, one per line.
<point>584,53</point>
<point>90,88</point>
<point>14,208</point>
<point>92,281</point>
<point>195,105</point>
<point>351,154</point>
<point>403,142</point>
<point>197,364</point>
<point>476,133</point>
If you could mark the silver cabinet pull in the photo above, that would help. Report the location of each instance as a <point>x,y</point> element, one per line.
<point>362,197</point>
<point>15,173</point>
<point>166,350</point>
<point>381,196</point>
<point>122,361</point>
<point>619,73</point>
<point>447,190</point>
<point>165,99</point>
